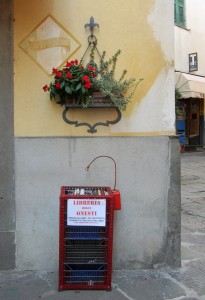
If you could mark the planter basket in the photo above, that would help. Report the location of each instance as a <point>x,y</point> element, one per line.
<point>98,100</point>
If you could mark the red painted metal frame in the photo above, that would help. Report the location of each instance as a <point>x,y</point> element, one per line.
<point>109,229</point>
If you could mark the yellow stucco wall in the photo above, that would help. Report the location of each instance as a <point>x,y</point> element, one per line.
<point>123,25</point>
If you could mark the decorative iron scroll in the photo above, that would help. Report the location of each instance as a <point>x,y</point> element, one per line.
<point>92,128</point>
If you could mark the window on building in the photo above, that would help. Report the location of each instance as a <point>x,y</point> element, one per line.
<point>179,12</point>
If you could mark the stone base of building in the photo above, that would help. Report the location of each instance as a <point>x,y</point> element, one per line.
<point>146,229</point>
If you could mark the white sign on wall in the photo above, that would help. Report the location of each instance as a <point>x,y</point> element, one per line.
<point>86,212</point>
<point>193,62</point>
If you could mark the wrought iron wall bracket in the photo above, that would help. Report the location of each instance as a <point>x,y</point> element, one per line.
<point>98,100</point>
<point>92,128</point>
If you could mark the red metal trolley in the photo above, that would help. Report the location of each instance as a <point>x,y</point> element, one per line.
<point>86,238</point>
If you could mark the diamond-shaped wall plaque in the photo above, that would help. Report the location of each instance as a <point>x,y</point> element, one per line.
<point>49,44</point>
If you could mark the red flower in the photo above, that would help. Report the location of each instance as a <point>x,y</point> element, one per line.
<point>59,74</point>
<point>71,63</point>
<point>54,71</point>
<point>91,68</point>
<point>68,64</point>
<point>45,88</point>
<point>87,85</point>
<point>58,85</point>
<point>86,78</point>
<point>69,75</point>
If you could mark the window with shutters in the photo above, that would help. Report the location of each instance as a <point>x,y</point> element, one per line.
<point>179,12</point>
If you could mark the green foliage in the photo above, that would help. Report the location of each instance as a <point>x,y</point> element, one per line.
<point>72,81</point>
<point>110,87</point>
<point>78,82</point>
<point>177,106</point>
<point>177,94</point>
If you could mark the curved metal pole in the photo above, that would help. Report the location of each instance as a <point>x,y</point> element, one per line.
<point>105,156</point>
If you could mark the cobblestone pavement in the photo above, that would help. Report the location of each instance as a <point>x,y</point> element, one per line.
<point>185,283</point>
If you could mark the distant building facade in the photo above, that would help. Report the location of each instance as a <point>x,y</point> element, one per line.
<point>190,70</point>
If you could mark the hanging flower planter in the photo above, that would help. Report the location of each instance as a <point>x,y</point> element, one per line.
<point>90,86</point>
<point>82,86</point>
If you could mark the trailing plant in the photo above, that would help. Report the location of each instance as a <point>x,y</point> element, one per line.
<point>112,88</point>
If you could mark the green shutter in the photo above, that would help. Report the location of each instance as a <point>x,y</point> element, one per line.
<point>179,12</point>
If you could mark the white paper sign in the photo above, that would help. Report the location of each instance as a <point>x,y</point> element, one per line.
<point>86,212</point>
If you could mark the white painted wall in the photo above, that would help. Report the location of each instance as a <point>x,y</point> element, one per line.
<point>191,39</point>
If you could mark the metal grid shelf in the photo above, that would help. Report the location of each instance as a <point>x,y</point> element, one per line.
<point>86,252</point>
<point>85,233</point>
<point>85,275</point>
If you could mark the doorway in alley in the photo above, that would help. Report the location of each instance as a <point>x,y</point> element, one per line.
<point>190,120</point>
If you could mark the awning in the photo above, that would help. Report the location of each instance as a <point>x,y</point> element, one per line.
<point>190,86</point>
